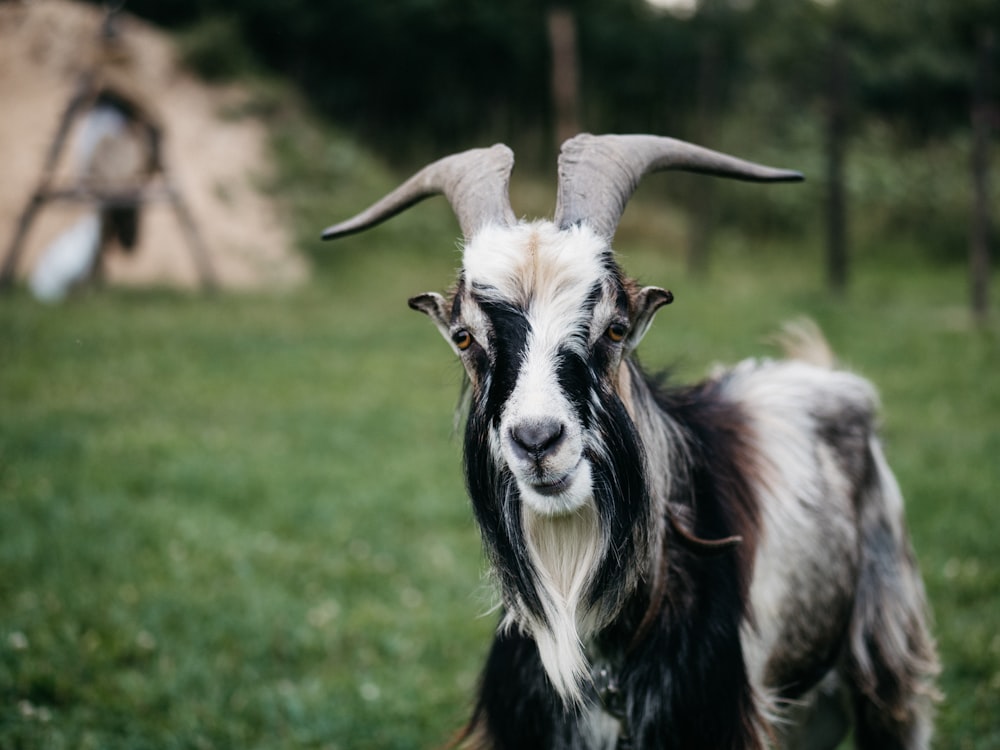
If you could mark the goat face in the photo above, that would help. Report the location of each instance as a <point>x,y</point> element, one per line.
<point>541,319</point>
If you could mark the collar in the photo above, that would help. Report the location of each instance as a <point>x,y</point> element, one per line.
<point>609,693</point>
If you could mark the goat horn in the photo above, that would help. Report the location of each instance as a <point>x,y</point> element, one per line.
<point>599,173</point>
<point>475,182</point>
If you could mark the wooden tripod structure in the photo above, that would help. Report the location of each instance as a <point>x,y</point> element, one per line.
<point>106,85</point>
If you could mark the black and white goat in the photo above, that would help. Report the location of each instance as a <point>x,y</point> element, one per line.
<point>723,565</point>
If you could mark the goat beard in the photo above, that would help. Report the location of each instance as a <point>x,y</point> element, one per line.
<point>563,578</point>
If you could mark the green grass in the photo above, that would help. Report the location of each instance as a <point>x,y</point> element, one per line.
<point>239,521</point>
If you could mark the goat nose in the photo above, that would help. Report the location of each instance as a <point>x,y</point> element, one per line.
<point>537,438</point>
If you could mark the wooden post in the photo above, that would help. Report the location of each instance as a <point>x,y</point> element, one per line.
<point>701,220</point>
<point>202,261</point>
<point>565,73</point>
<point>9,268</point>
<point>836,137</point>
<point>981,230</point>
<point>121,197</point>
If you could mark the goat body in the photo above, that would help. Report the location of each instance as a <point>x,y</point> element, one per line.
<point>722,565</point>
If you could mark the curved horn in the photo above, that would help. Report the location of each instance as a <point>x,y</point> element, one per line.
<point>599,173</point>
<point>475,182</point>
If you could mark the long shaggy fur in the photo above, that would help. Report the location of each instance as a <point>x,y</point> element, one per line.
<point>723,565</point>
<point>708,567</point>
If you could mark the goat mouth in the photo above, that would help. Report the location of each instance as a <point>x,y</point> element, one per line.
<point>559,486</point>
<point>564,494</point>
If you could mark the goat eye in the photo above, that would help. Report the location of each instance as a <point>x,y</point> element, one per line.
<point>616,332</point>
<point>462,339</point>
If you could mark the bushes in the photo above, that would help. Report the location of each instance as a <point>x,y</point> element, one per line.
<point>214,48</point>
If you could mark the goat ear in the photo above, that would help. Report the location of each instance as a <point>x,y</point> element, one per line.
<point>647,302</point>
<point>434,306</point>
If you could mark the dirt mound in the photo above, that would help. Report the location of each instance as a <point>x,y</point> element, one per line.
<point>215,161</point>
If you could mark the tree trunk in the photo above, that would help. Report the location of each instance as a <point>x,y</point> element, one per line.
<point>980,236</point>
<point>836,137</point>
<point>565,73</point>
<point>702,218</point>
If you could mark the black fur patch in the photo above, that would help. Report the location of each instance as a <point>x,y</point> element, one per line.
<point>723,468</point>
<point>684,682</point>
<point>495,497</point>
<point>517,705</point>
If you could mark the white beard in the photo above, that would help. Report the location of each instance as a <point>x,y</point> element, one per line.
<point>565,551</point>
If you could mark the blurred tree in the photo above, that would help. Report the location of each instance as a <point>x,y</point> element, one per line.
<point>984,115</point>
<point>418,75</point>
<point>711,27</point>
<point>851,63</point>
<point>926,68</point>
<point>837,261</point>
<point>565,72</point>
<point>414,78</point>
<point>809,46</point>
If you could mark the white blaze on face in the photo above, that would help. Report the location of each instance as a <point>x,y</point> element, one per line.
<point>549,275</point>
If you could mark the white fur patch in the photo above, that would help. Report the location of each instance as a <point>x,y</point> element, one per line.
<point>549,274</point>
<point>565,550</point>
<point>805,498</point>
<point>537,264</point>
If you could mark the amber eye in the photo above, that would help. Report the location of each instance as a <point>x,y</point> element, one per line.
<point>462,339</point>
<point>616,332</point>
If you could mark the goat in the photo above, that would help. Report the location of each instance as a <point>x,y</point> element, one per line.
<point>722,565</point>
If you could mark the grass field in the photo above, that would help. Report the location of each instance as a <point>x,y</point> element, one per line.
<point>239,522</point>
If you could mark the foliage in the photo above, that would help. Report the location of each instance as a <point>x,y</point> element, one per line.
<point>412,79</point>
<point>452,72</point>
<point>215,50</point>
